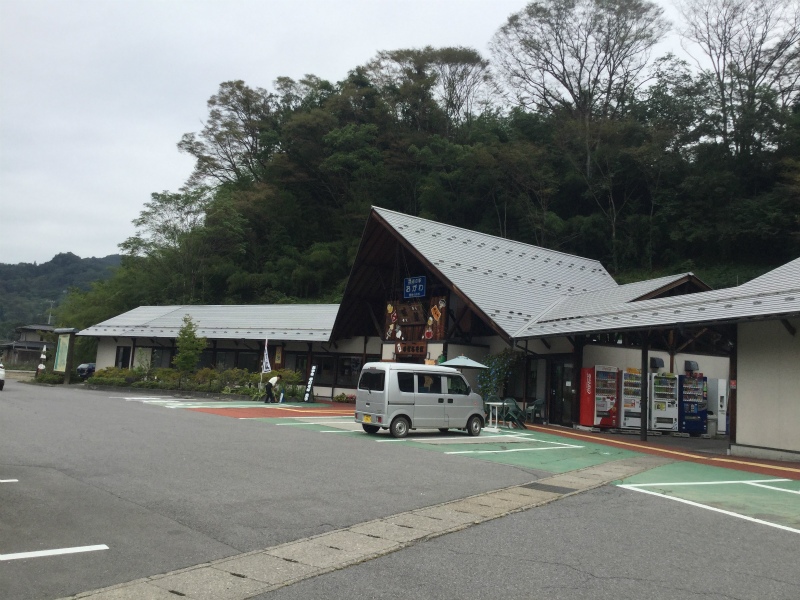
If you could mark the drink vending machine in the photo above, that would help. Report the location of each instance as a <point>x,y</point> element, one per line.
<point>599,396</point>
<point>718,403</point>
<point>664,401</point>
<point>692,403</point>
<point>631,396</point>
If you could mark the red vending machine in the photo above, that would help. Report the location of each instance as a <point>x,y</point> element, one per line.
<point>599,397</point>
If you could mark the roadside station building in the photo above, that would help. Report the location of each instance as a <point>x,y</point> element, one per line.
<point>420,290</point>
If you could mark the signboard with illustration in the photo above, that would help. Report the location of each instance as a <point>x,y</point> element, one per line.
<point>62,352</point>
<point>416,321</point>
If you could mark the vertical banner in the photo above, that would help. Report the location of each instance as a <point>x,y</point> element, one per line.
<point>310,383</point>
<point>62,351</point>
<point>266,367</point>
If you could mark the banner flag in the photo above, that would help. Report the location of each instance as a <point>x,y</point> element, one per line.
<point>266,367</point>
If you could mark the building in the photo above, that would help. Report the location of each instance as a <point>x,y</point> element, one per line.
<point>27,349</point>
<point>420,290</point>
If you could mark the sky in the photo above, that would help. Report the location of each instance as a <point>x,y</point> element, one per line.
<point>96,94</point>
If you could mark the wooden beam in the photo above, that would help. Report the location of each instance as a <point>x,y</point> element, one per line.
<point>692,339</point>
<point>792,331</point>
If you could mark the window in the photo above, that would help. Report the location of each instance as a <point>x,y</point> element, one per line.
<point>406,382</point>
<point>429,384</point>
<point>225,359</point>
<point>372,380</point>
<point>325,370</point>
<point>349,367</point>
<point>123,359</point>
<point>249,361</point>
<point>457,385</point>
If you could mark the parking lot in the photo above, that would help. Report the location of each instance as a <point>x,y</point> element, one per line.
<point>103,488</point>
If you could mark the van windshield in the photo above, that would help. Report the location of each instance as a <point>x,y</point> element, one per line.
<point>372,381</point>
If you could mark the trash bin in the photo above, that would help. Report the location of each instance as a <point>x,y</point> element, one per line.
<point>712,425</point>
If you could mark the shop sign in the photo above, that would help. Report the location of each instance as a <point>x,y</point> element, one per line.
<point>414,287</point>
<point>411,349</point>
<point>733,384</point>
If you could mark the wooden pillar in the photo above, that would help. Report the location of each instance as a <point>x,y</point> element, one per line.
<point>732,376</point>
<point>645,377</point>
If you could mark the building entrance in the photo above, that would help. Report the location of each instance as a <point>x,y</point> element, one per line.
<point>561,393</point>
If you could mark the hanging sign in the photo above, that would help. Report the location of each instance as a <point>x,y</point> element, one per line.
<point>414,287</point>
<point>266,367</point>
<point>310,383</point>
<point>411,349</point>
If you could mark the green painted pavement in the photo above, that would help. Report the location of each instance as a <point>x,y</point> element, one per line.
<point>765,498</point>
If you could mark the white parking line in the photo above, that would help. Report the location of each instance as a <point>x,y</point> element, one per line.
<point>55,552</point>
<point>513,450</point>
<point>314,423</point>
<point>771,487</point>
<point>712,508</point>
<point>708,482</point>
<point>9,480</point>
<point>456,438</point>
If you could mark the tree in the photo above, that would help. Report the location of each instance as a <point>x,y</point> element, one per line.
<point>238,139</point>
<point>753,47</point>
<point>189,347</point>
<point>584,58</point>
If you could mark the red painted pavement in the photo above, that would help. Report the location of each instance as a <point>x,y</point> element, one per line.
<point>282,411</point>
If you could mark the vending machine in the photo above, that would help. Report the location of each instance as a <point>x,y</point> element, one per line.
<point>692,403</point>
<point>631,395</point>
<point>664,401</point>
<point>718,403</point>
<point>599,396</point>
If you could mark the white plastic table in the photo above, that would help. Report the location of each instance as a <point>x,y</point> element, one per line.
<point>492,419</point>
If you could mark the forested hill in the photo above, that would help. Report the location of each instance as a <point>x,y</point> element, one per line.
<point>26,290</point>
<point>589,143</point>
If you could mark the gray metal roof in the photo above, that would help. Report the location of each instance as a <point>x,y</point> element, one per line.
<point>775,294</point>
<point>509,281</point>
<point>574,305</point>
<point>279,322</point>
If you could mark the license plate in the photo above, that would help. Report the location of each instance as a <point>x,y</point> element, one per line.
<point>367,419</point>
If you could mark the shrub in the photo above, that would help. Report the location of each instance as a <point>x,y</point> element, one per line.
<point>54,378</point>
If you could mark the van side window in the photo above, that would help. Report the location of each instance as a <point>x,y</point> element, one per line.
<point>405,381</point>
<point>429,384</point>
<point>456,385</point>
<point>372,380</point>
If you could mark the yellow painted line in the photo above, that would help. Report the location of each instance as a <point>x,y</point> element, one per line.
<point>697,456</point>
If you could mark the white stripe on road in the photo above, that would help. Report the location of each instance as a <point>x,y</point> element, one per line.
<point>772,487</point>
<point>55,552</point>
<point>719,510</point>
<point>9,480</point>
<point>708,482</point>
<point>513,450</point>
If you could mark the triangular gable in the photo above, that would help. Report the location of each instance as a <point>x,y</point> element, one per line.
<point>506,283</point>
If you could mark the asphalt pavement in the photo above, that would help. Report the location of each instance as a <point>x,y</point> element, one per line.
<point>154,489</point>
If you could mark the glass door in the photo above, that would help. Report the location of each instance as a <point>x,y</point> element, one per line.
<point>561,393</point>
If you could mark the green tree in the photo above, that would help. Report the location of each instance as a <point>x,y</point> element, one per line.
<point>189,347</point>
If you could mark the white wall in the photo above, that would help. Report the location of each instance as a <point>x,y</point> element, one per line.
<point>106,353</point>
<point>622,358</point>
<point>768,386</point>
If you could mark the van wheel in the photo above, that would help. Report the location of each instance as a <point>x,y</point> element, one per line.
<point>474,426</point>
<point>370,428</point>
<point>444,429</point>
<point>400,427</point>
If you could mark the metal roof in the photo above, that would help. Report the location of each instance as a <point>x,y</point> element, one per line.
<point>573,305</point>
<point>773,295</point>
<point>509,281</point>
<point>280,322</point>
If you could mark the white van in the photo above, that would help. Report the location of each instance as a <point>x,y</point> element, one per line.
<point>403,396</point>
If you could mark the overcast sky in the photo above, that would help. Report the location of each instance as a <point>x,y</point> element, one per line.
<point>95,94</point>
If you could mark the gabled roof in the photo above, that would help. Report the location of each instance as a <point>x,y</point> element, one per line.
<point>575,305</point>
<point>279,322</point>
<point>508,282</point>
<point>773,295</point>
